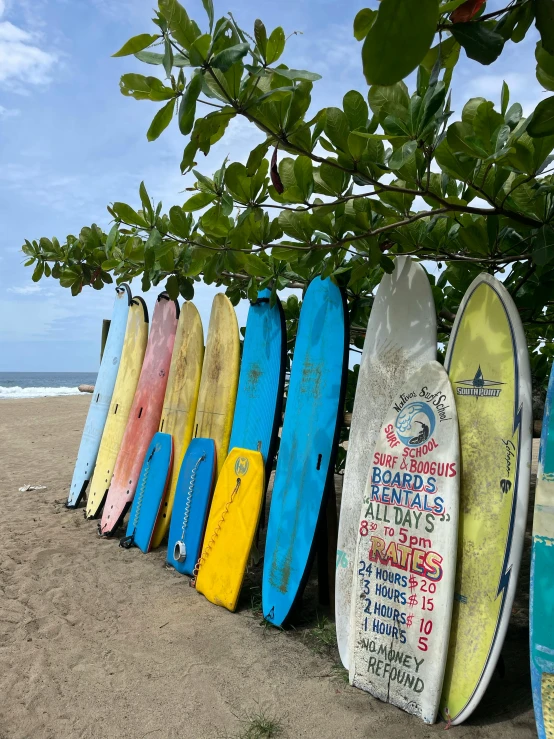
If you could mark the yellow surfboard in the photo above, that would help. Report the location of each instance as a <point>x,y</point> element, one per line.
<point>181,397</point>
<point>231,528</point>
<point>134,346</point>
<point>220,376</point>
<point>488,365</point>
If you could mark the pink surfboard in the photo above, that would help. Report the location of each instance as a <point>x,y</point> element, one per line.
<point>145,414</point>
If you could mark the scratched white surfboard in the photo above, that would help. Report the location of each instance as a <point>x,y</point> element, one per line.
<point>406,556</point>
<point>401,336</point>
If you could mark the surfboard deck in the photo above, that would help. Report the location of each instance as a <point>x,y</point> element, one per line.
<point>488,364</point>
<point>307,448</point>
<point>401,336</point>
<point>406,550</point>
<point>218,384</point>
<point>132,356</point>
<point>179,407</point>
<point>144,416</point>
<point>151,486</point>
<point>262,377</point>
<point>231,527</point>
<point>541,612</point>
<point>101,398</point>
<point>190,507</point>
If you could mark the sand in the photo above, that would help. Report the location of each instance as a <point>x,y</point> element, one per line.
<point>97,641</point>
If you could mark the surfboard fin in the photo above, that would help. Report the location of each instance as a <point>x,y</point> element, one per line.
<point>127,541</point>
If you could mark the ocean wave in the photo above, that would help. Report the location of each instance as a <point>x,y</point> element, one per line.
<point>36,392</point>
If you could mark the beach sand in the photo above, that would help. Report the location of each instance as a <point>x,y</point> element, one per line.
<point>98,641</point>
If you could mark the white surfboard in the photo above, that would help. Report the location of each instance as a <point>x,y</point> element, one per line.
<point>401,336</point>
<point>406,555</point>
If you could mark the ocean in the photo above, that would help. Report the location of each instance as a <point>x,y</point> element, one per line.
<point>43,384</point>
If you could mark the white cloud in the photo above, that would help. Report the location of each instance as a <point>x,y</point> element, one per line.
<point>26,290</point>
<point>8,112</point>
<point>22,62</point>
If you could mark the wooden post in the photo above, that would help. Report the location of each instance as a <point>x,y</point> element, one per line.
<point>105,328</point>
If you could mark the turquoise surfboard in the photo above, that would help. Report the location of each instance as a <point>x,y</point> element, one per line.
<point>261,380</point>
<point>151,486</point>
<point>541,615</point>
<point>190,507</point>
<point>101,399</point>
<point>308,446</point>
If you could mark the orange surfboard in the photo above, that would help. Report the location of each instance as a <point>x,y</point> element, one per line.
<point>144,416</point>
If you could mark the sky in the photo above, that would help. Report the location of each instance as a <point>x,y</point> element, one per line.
<point>70,143</point>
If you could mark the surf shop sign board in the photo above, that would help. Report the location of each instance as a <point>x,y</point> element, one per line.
<point>406,554</point>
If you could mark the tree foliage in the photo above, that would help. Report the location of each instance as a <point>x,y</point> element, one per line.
<point>339,191</point>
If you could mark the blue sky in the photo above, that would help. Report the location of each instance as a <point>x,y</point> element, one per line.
<point>70,142</point>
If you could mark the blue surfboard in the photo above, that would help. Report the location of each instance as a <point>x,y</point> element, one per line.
<point>261,380</point>
<point>191,505</point>
<point>148,498</point>
<point>308,446</point>
<point>541,615</point>
<point>101,399</point>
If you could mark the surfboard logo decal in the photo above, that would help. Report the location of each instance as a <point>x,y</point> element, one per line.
<point>479,387</point>
<point>241,466</point>
<point>415,424</point>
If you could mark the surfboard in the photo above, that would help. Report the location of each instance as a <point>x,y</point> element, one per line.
<point>406,549</point>
<point>190,508</point>
<point>101,398</point>
<point>152,483</point>
<point>308,446</point>
<point>541,613</point>
<point>262,377</point>
<point>218,384</point>
<point>232,524</point>
<point>179,407</point>
<point>144,416</point>
<point>401,335</point>
<point>132,355</point>
<point>488,364</point>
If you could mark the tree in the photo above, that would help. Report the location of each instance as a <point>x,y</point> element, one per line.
<point>340,191</point>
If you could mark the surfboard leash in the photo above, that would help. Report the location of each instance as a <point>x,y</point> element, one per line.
<point>180,549</point>
<point>208,547</point>
<point>128,541</point>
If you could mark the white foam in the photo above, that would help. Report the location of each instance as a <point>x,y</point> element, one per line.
<point>36,392</point>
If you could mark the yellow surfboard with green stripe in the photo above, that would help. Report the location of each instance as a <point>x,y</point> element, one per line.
<point>488,365</point>
<point>179,408</point>
<point>132,355</point>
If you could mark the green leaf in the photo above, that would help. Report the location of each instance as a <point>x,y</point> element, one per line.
<point>255,266</point>
<point>187,108</point>
<point>363,21</point>
<point>209,8</point>
<point>146,203</point>
<point>183,30</point>
<point>275,45</point>
<point>389,99</point>
<point>485,123</point>
<point>402,155</point>
<point>543,247</point>
<point>199,50</point>
<point>137,43</point>
<point>504,98</point>
<point>38,272</point>
<point>172,287</point>
<point>542,119</point>
<point>179,223</point>
<point>479,41</point>
<point>303,173</point>
<point>355,109</point>
<point>298,74</point>
<point>150,57</point>
<point>200,200</point>
<point>398,39</point>
<point>144,88</point>
<point>544,20</point>
<point>161,120</point>
<point>256,156</point>
<point>260,34</point>
<point>238,182</point>
<point>337,128</point>
<point>127,214</point>
<point>168,57</point>
<point>459,137</point>
<point>226,58</point>
<point>544,59</point>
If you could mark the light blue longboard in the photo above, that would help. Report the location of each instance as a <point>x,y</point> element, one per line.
<point>191,505</point>
<point>542,579</point>
<point>101,399</point>
<point>262,377</point>
<point>308,446</point>
<point>151,486</point>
